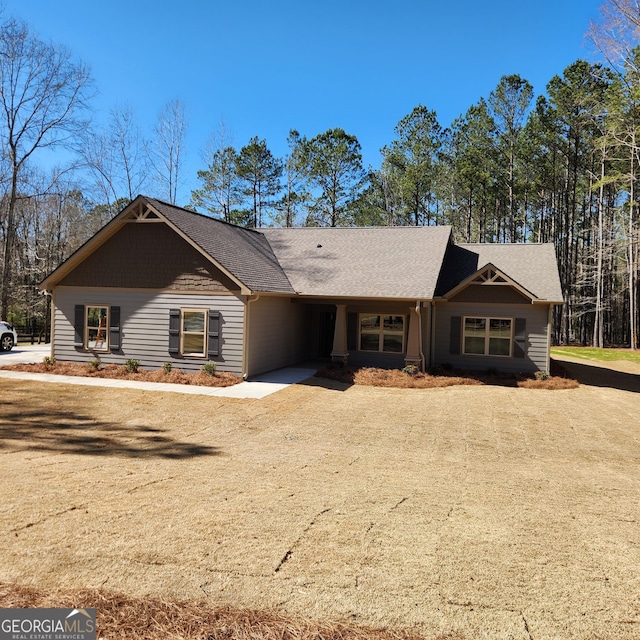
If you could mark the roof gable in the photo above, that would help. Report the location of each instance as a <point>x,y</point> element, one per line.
<point>129,260</point>
<point>242,255</point>
<point>533,267</point>
<point>489,275</point>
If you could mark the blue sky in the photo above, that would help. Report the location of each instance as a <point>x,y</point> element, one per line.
<point>265,67</point>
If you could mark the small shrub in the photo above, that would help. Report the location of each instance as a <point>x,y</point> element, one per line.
<point>411,370</point>
<point>132,366</point>
<point>166,368</point>
<point>95,364</point>
<point>541,375</point>
<point>48,362</point>
<point>209,368</point>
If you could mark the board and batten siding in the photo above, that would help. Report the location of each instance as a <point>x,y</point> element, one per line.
<point>144,323</point>
<point>278,334</point>
<point>536,357</point>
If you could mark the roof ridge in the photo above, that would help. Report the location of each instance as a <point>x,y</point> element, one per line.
<point>197,213</point>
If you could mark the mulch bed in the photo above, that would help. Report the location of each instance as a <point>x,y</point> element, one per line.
<point>443,377</point>
<point>371,376</point>
<point>120,372</point>
<point>121,616</point>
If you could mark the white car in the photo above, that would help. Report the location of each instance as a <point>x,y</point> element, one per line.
<point>8,336</point>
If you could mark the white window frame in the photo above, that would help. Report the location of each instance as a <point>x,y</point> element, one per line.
<point>381,332</point>
<point>487,336</point>
<point>204,333</point>
<point>102,336</point>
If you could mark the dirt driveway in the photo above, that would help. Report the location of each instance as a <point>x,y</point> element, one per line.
<point>494,512</point>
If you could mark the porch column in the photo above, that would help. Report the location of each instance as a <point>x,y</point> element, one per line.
<point>413,356</point>
<point>339,352</point>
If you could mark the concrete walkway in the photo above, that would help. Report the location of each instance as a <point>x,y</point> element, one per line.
<point>256,388</point>
<point>25,354</point>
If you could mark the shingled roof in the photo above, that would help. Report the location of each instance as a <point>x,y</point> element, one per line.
<point>371,262</point>
<point>244,253</point>
<point>416,263</point>
<point>532,266</point>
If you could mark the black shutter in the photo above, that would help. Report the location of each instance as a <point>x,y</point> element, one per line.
<point>114,329</point>
<point>214,334</point>
<point>174,331</point>
<point>352,332</point>
<point>520,338</point>
<point>454,335</point>
<point>78,325</point>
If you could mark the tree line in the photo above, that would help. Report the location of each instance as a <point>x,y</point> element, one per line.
<point>561,167</point>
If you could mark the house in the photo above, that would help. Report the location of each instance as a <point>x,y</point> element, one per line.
<point>162,284</point>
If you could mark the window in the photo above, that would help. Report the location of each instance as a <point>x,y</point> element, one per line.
<point>193,332</point>
<point>488,336</point>
<point>382,333</point>
<point>96,328</point>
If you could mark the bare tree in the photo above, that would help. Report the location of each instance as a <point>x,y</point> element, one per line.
<point>617,36</point>
<point>616,33</point>
<point>168,148</point>
<point>43,101</point>
<point>118,159</point>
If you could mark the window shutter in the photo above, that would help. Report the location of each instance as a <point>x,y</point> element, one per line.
<point>454,335</point>
<point>520,338</point>
<point>114,329</point>
<point>214,334</point>
<point>78,324</point>
<point>352,331</point>
<point>174,331</point>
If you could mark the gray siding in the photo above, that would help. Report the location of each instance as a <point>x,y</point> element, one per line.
<point>537,333</point>
<point>144,321</point>
<point>278,334</point>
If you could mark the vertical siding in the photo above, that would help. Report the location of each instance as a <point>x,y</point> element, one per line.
<point>144,318</point>
<point>278,334</point>
<point>536,356</point>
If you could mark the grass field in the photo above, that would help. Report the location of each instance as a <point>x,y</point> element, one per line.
<point>598,355</point>
<point>463,512</point>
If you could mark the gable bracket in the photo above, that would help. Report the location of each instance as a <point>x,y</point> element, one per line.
<point>142,213</point>
<point>490,276</point>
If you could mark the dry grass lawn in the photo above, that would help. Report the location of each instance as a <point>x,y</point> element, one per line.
<point>469,512</point>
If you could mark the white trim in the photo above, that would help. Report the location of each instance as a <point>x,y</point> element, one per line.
<point>204,333</point>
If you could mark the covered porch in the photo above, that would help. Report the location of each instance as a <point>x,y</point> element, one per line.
<point>371,333</point>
